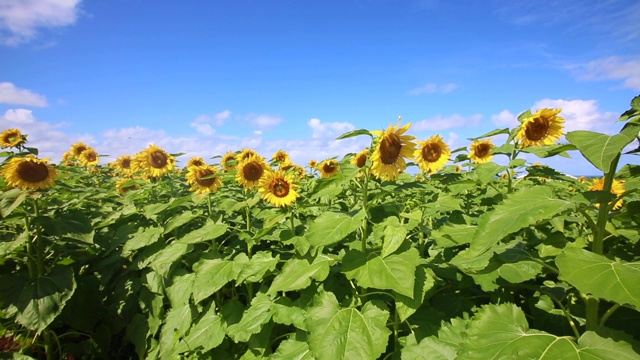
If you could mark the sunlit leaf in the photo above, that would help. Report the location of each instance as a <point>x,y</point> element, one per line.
<point>601,149</point>
<point>495,132</point>
<point>354,133</point>
<point>211,275</point>
<point>331,227</point>
<point>297,274</point>
<point>393,235</point>
<point>252,319</point>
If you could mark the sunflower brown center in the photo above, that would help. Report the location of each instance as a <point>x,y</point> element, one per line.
<point>158,159</point>
<point>32,172</point>
<point>252,171</point>
<point>328,168</point>
<point>361,160</point>
<point>538,129</point>
<point>79,150</point>
<point>279,188</point>
<point>390,149</point>
<point>90,156</point>
<point>126,163</point>
<point>482,150</point>
<point>205,182</point>
<point>431,152</point>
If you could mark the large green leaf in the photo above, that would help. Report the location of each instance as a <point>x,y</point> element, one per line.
<point>167,257</point>
<point>297,274</point>
<point>142,238</point>
<point>208,231</point>
<point>394,234</point>
<point>549,150</point>
<point>395,272</point>
<point>525,208</point>
<point>337,333</point>
<point>331,227</point>
<point>486,172</point>
<point>595,274</point>
<point>253,269</point>
<point>252,319</point>
<point>501,332</point>
<point>211,276</point>
<point>292,349</point>
<point>178,220</point>
<point>429,348</point>
<point>405,305</point>
<point>10,200</point>
<point>601,149</point>
<point>176,325</point>
<point>205,334</point>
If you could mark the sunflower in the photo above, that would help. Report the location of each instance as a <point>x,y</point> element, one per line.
<point>196,161</point>
<point>229,161</point>
<point>299,171</point>
<point>78,148</point>
<point>617,189</point>
<point>390,149</point>
<point>123,165</point>
<point>281,157</point>
<point>313,164</point>
<point>29,173</point>
<point>203,179</point>
<point>360,160</point>
<point>432,154</point>
<point>155,161</point>
<point>481,151</point>
<point>122,187</point>
<point>12,138</point>
<point>246,153</point>
<point>278,188</point>
<point>328,168</point>
<point>89,157</point>
<point>544,127</point>
<point>67,158</point>
<point>251,170</point>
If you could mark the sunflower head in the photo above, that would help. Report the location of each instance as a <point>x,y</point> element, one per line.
<point>155,161</point>
<point>281,157</point>
<point>89,157</point>
<point>328,168</point>
<point>12,138</point>
<point>29,173</point>
<point>229,161</point>
<point>617,189</point>
<point>544,127</point>
<point>246,153</point>
<point>481,151</point>
<point>278,188</point>
<point>251,170</point>
<point>196,161</point>
<point>432,154</point>
<point>313,164</point>
<point>123,164</point>
<point>391,147</point>
<point>360,160</point>
<point>78,148</point>
<point>203,179</point>
<point>125,185</point>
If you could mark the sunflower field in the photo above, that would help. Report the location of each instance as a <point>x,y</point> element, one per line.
<point>253,257</point>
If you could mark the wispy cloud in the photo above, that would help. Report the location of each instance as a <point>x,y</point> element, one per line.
<point>611,68</point>
<point>328,129</point>
<point>20,20</point>
<point>10,94</point>
<point>505,118</point>
<point>433,88</point>
<point>263,121</point>
<point>204,123</point>
<point>439,122</point>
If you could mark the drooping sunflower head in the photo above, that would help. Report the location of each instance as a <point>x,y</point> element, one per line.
<point>203,179</point>
<point>391,147</point>
<point>78,148</point>
<point>281,157</point>
<point>12,138</point>
<point>246,153</point>
<point>229,161</point>
<point>544,127</point>
<point>123,165</point>
<point>154,161</point>
<point>29,173</point>
<point>278,188</point>
<point>617,189</point>
<point>329,167</point>
<point>196,161</point>
<point>89,157</point>
<point>360,160</point>
<point>481,151</point>
<point>432,154</point>
<point>250,171</point>
<point>125,185</point>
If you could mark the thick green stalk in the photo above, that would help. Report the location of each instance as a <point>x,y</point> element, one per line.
<point>365,207</point>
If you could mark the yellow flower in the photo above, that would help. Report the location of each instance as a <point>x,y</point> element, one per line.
<point>67,158</point>
<point>390,149</point>
<point>153,160</point>
<point>281,157</point>
<point>360,160</point>
<point>505,175</point>
<point>29,173</point>
<point>329,168</point>
<point>251,170</point>
<point>432,154</point>
<point>78,148</point>
<point>313,164</point>
<point>196,161</point>
<point>481,151</point>
<point>12,138</point>
<point>246,153</point>
<point>299,171</point>
<point>123,165</point>
<point>544,127</point>
<point>278,188</point>
<point>203,179</point>
<point>89,157</point>
<point>617,189</point>
<point>229,161</point>
<point>122,188</point>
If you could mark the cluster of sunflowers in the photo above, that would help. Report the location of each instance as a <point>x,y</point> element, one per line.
<point>277,181</point>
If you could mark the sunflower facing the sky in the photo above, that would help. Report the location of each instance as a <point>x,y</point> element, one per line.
<point>617,189</point>
<point>278,188</point>
<point>544,127</point>
<point>29,173</point>
<point>328,168</point>
<point>203,178</point>
<point>11,138</point>
<point>250,171</point>
<point>360,160</point>
<point>481,151</point>
<point>89,157</point>
<point>391,147</point>
<point>432,154</point>
<point>229,161</point>
<point>154,161</point>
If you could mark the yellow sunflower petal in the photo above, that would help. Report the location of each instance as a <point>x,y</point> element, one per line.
<point>278,188</point>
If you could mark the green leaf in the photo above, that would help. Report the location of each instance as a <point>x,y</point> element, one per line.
<point>601,149</point>
<point>595,274</point>
<point>252,319</point>
<point>633,112</point>
<point>208,231</point>
<point>253,270</point>
<point>142,238</point>
<point>550,150</point>
<point>180,291</point>
<point>178,220</point>
<point>165,258</point>
<point>292,349</point>
<point>395,272</point>
<point>354,133</point>
<point>331,227</point>
<point>205,334</point>
<point>175,327</point>
<point>454,234</point>
<point>337,333</point>
<point>429,348</point>
<point>491,133</point>
<point>297,274</point>
<point>486,172</point>
<point>10,200</point>
<point>405,305</point>
<point>393,235</point>
<point>211,276</point>
<point>524,208</point>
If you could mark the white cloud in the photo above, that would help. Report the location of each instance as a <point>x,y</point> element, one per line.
<point>439,122</point>
<point>328,129</point>
<point>10,94</point>
<point>580,114</point>
<point>432,88</point>
<point>263,121</point>
<point>505,118</point>
<point>611,68</point>
<point>21,19</point>
<point>202,123</point>
<point>19,116</point>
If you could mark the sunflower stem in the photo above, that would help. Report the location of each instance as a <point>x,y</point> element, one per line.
<point>209,205</point>
<point>365,207</point>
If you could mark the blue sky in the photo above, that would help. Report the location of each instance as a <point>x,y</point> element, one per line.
<point>205,77</point>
